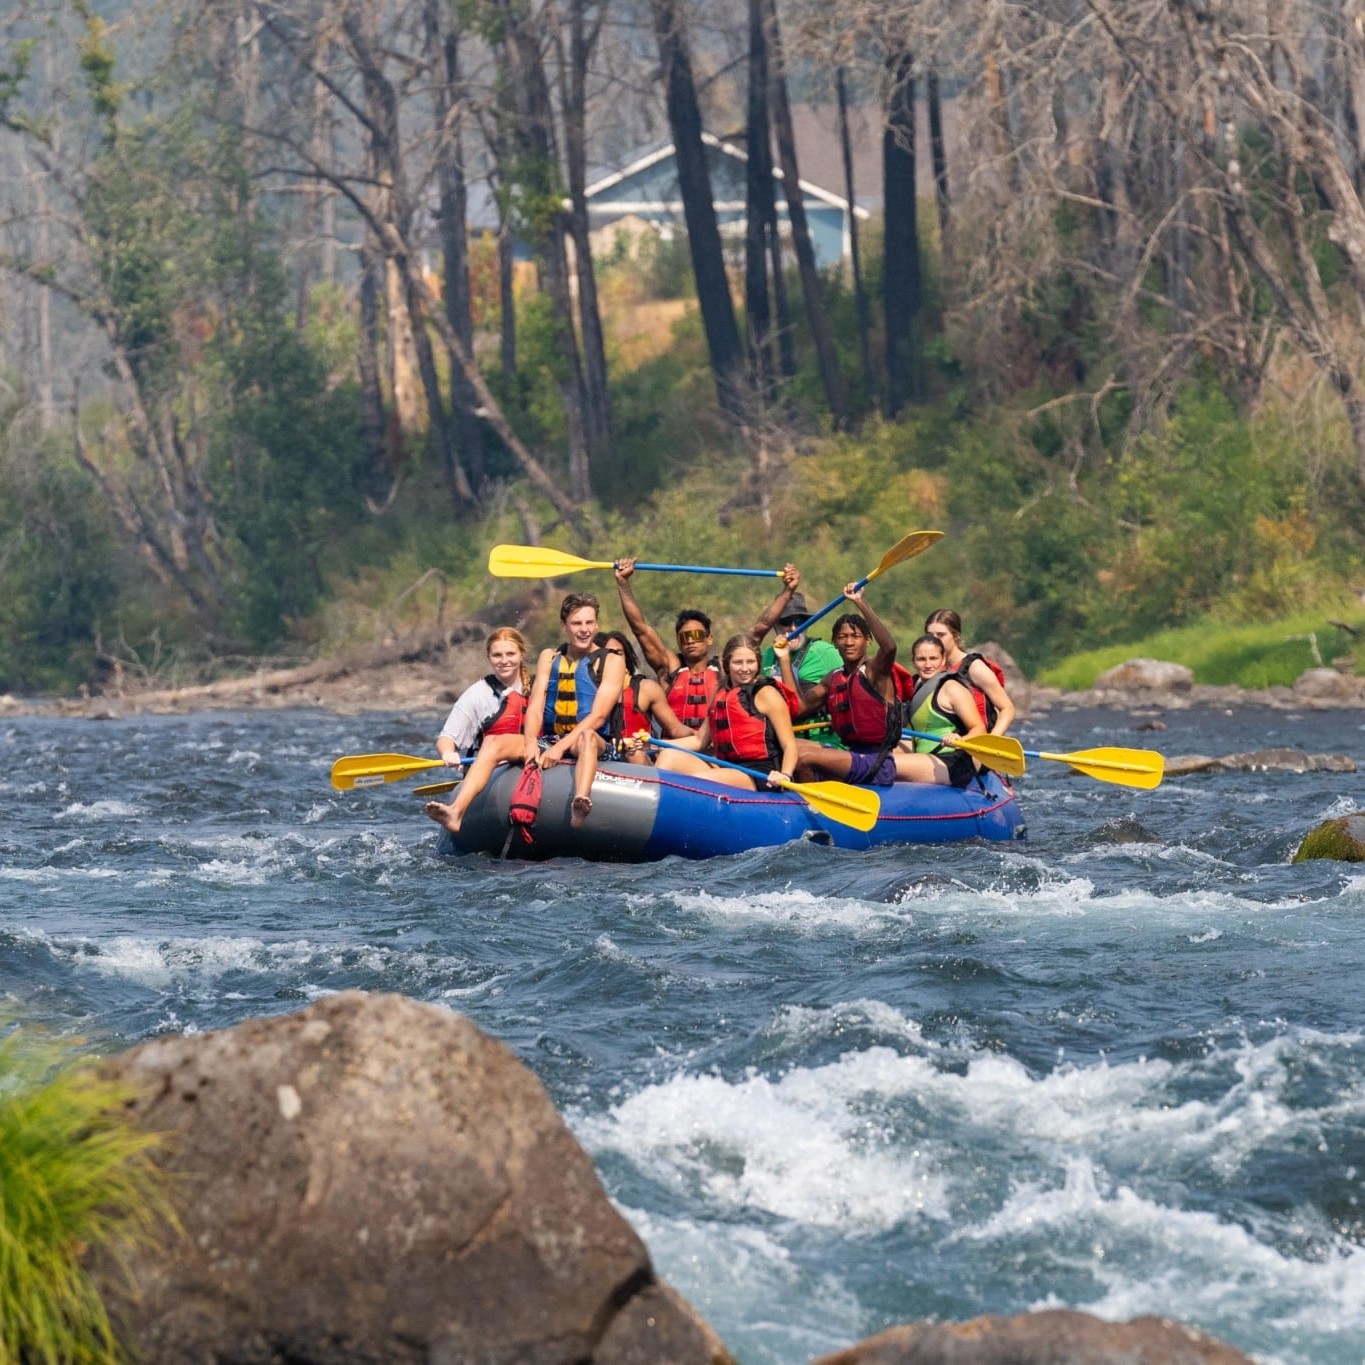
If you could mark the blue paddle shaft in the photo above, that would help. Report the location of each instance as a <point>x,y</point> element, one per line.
<point>707,758</point>
<point>706,568</point>
<point>825,610</point>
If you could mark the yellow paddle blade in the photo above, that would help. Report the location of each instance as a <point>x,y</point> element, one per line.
<point>436,788</point>
<point>857,807</point>
<point>998,752</point>
<point>1142,768</point>
<point>372,770</point>
<point>906,548</point>
<point>536,561</point>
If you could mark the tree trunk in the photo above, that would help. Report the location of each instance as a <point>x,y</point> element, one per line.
<point>443,51</point>
<point>903,295</point>
<point>759,209</point>
<point>600,421</point>
<point>938,152</point>
<point>699,210</point>
<point>536,179</point>
<point>367,362</point>
<point>817,317</point>
<point>855,250</point>
<point>507,304</point>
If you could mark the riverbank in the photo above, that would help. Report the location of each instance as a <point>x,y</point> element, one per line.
<point>427,671</point>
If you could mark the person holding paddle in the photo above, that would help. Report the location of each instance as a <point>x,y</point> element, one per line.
<point>689,675</point>
<point>860,697</point>
<point>488,716</point>
<point>941,709</point>
<point>748,721</point>
<point>576,689</point>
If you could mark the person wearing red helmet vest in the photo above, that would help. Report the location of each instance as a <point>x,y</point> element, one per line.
<point>749,721</point>
<point>860,697</point>
<point>486,720</point>
<point>689,675</point>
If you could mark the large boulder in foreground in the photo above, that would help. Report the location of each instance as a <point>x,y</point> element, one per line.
<point>1342,838</point>
<point>375,1180</point>
<point>1145,675</point>
<point>1056,1337</point>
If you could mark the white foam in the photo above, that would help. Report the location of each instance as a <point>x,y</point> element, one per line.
<point>795,906</point>
<point>803,1146</point>
<point>100,810</point>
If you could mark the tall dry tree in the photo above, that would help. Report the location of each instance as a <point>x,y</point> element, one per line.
<point>817,315</point>
<point>699,209</point>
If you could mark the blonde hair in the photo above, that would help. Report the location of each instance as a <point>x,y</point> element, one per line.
<point>515,636</point>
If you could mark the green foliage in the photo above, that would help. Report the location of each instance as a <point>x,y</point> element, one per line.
<point>74,1177</point>
<point>665,265</point>
<point>1264,654</point>
<point>286,462</point>
<point>58,569</point>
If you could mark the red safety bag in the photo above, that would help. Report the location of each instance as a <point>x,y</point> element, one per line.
<point>521,811</point>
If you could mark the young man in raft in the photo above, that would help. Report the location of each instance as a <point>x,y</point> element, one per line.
<point>863,705</point>
<point>576,688</point>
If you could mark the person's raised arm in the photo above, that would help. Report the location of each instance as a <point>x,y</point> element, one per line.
<point>657,654</point>
<point>878,667</point>
<point>983,676</point>
<point>772,613</point>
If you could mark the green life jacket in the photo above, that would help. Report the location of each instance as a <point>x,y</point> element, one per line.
<point>925,715</point>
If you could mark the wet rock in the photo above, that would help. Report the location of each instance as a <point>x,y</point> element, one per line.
<point>1055,1337</point>
<point>1146,675</point>
<point>373,1179</point>
<point>1122,831</point>
<point>1342,839</point>
<point>1260,761</point>
<point>1327,684</point>
<point>1287,761</point>
<point>1181,765</point>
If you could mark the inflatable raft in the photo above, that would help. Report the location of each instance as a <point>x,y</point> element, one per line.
<point>639,814</point>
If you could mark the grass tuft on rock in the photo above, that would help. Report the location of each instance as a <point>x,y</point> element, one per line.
<point>76,1179</point>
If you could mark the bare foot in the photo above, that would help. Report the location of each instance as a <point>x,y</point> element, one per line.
<point>578,812</point>
<point>443,815</point>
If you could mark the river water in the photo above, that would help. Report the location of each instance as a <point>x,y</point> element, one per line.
<point>1119,1067</point>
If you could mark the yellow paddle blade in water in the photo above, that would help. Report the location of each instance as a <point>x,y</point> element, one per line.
<point>372,770</point>
<point>537,561</point>
<point>1142,768</point>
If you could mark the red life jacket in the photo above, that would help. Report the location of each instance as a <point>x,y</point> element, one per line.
<point>510,715</point>
<point>740,732</point>
<point>627,717</point>
<point>858,713</point>
<point>983,703</point>
<point>689,694</point>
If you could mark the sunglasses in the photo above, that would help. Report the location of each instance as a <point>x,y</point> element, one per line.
<point>691,637</point>
<point>791,622</point>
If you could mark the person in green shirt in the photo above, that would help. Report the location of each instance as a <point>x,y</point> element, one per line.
<point>812,660</point>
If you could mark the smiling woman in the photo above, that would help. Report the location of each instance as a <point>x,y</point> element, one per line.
<point>487,720</point>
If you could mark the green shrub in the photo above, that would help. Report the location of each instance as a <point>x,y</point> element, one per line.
<point>74,1177</point>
